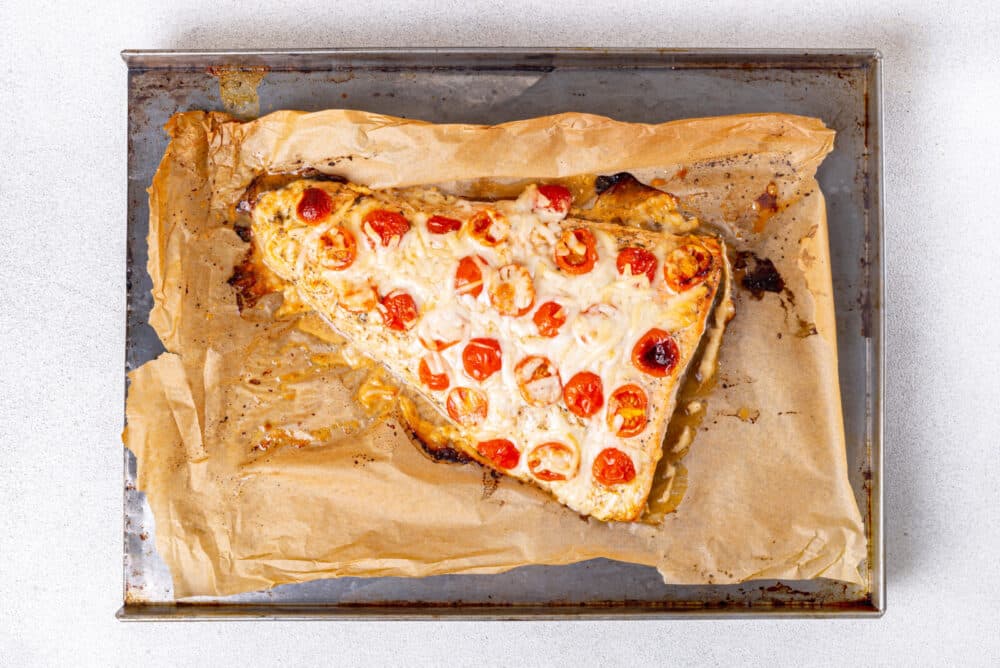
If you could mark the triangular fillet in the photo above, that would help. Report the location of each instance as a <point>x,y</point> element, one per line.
<point>556,345</point>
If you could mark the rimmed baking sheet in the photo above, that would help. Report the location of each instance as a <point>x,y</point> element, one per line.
<point>491,86</point>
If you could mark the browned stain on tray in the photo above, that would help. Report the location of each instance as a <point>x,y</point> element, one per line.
<point>238,89</point>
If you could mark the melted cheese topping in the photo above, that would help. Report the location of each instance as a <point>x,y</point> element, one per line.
<point>606,313</point>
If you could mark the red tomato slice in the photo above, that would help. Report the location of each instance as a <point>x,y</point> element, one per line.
<point>553,198</point>
<point>628,404</point>
<point>576,251</point>
<point>357,297</point>
<point>538,380</point>
<point>467,406</point>
<point>442,328</point>
<point>399,311</point>
<point>469,276</point>
<point>481,358</point>
<point>433,372</point>
<point>513,292</point>
<point>443,225</point>
<point>549,317</point>
<point>489,227</point>
<point>314,206</point>
<point>553,461</point>
<point>638,261</point>
<point>500,451</point>
<point>337,249</point>
<point>384,227</point>
<point>687,266</point>
<point>656,353</point>
<point>584,394</point>
<point>613,467</point>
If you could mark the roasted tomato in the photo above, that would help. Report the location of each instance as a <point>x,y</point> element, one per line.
<point>656,353</point>
<point>500,451</point>
<point>638,261</point>
<point>513,290</point>
<point>598,324</point>
<point>627,411</point>
<point>549,317</point>
<point>538,380</point>
<point>687,266</point>
<point>337,249</point>
<point>489,227</point>
<point>442,328</point>
<point>553,461</point>
<point>443,225</point>
<point>357,297</point>
<point>469,276</point>
<point>481,358</point>
<point>314,206</point>
<point>467,406</point>
<point>584,394</point>
<point>613,467</point>
<point>433,372</point>
<point>576,251</point>
<point>553,198</point>
<point>399,311</point>
<point>384,227</point>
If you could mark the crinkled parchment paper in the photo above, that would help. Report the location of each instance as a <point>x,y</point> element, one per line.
<point>262,466</point>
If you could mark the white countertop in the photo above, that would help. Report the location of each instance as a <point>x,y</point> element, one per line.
<point>62,258</point>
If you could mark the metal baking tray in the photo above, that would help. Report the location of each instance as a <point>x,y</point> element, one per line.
<point>494,85</point>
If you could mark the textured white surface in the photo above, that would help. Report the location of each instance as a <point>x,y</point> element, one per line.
<point>62,255</point>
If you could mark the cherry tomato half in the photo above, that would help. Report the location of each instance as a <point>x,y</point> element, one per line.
<point>553,461</point>
<point>553,198</point>
<point>500,451</point>
<point>314,205</point>
<point>399,311</point>
<point>435,378</point>
<point>638,261</point>
<point>576,251</point>
<point>656,353</point>
<point>584,394</point>
<point>467,406</point>
<point>481,358</point>
<point>443,225</point>
<point>384,227</point>
<point>549,317</point>
<point>627,407</point>
<point>613,467</point>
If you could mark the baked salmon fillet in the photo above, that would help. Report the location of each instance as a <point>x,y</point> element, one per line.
<point>554,345</point>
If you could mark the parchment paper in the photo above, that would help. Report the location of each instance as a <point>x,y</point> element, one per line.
<point>262,466</point>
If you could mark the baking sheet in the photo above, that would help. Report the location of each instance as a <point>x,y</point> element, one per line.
<point>498,77</point>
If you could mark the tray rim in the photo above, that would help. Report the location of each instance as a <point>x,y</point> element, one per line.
<point>714,58</point>
<point>872,608</point>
